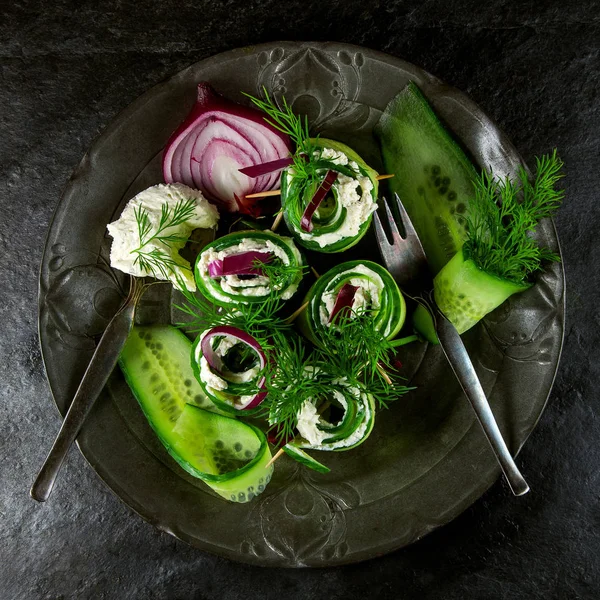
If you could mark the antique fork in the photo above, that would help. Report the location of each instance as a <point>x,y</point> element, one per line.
<point>96,375</point>
<point>405,259</point>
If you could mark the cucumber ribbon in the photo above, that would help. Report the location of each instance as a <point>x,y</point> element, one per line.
<point>321,218</point>
<point>464,294</point>
<point>231,457</point>
<point>375,294</point>
<point>247,267</point>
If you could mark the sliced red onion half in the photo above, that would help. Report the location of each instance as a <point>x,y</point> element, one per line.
<point>240,264</point>
<point>215,363</point>
<point>217,139</point>
<point>313,205</point>
<point>344,299</point>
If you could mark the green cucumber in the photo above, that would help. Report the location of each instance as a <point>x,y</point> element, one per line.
<point>305,459</point>
<point>156,364</point>
<point>228,455</point>
<point>433,176</point>
<point>465,294</point>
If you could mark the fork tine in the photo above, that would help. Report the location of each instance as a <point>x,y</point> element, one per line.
<point>405,219</point>
<point>379,232</point>
<point>391,222</point>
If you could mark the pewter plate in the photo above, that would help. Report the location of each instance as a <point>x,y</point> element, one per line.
<point>427,459</point>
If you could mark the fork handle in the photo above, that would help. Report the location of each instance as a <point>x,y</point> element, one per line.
<point>96,375</point>
<point>461,364</point>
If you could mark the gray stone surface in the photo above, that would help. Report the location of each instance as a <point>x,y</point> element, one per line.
<point>68,67</point>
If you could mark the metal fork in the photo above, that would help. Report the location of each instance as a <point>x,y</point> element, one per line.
<point>405,259</point>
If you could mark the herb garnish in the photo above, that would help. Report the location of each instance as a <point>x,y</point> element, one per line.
<point>156,260</point>
<point>502,216</point>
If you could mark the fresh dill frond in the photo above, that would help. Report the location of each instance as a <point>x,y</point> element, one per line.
<point>503,215</point>
<point>287,122</point>
<point>156,260</point>
<point>358,351</point>
<point>280,274</point>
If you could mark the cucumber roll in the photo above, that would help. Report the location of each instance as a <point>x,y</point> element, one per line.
<point>352,289</point>
<point>499,254</point>
<point>229,365</point>
<point>247,267</point>
<point>328,206</point>
<point>465,294</point>
<point>319,432</point>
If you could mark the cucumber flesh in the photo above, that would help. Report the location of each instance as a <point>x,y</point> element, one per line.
<point>228,455</point>
<point>156,364</point>
<point>433,176</point>
<point>465,293</point>
<point>305,459</point>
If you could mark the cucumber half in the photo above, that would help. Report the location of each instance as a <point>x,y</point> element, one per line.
<point>305,459</point>
<point>433,176</point>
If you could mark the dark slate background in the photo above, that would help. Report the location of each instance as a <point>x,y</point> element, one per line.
<point>68,67</point>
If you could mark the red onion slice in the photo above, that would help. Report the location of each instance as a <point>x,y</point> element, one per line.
<point>217,139</point>
<point>268,167</point>
<point>306,222</point>
<point>344,299</point>
<point>216,364</point>
<point>240,264</point>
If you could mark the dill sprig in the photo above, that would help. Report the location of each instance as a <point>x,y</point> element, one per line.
<point>361,353</point>
<point>296,127</point>
<point>503,215</point>
<point>280,274</point>
<point>158,261</point>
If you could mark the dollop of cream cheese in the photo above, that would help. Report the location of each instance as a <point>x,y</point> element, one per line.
<point>308,419</point>
<point>126,239</point>
<point>359,207</point>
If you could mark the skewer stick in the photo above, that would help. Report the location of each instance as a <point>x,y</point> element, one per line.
<point>278,192</point>
<point>385,376</point>
<point>277,455</point>
<point>277,221</point>
<point>264,194</point>
<point>315,273</point>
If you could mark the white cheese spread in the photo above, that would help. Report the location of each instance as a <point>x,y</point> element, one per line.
<point>126,235</point>
<point>308,419</point>
<point>359,207</point>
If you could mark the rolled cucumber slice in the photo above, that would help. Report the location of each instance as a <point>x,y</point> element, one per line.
<point>383,300</point>
<point>228,455</point>
<point>465,294</point>
<point>433,176</point>
<point>229,290</point>
<point>156,364</point>
<point>336,226</point>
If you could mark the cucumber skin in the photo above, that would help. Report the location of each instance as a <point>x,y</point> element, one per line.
<point>465,293</point>
<point>344,243</point>
<point>406,118</point>
<point>305,459</point>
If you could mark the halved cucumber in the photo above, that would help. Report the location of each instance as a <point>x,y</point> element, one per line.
<point>228,455</point>
<point>433,176</point>
<point>156,364</point>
